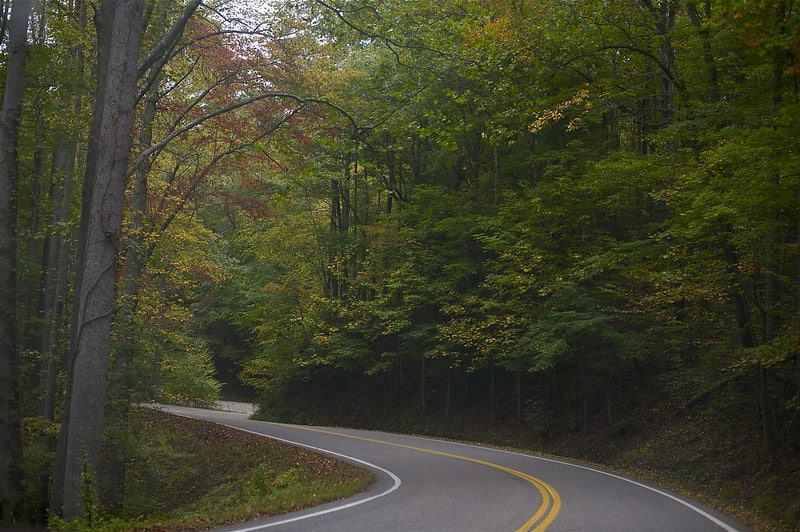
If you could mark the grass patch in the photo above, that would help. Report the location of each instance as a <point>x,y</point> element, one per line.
<point>188,474</point>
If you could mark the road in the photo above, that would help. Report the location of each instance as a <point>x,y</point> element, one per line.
<point>425,484</point>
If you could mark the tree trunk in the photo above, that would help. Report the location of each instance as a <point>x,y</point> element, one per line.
<point>498,185</point>
<point>10,431</point>
<point>449,392</point>
<point>335,215</point>
<point>55,285</point>
<point>665,26</point>
<point>700,21</point>
<point>740,310</point>
<point>57,260</point>
<point>391,184</point>
<point>29,306</point>
<point>422,401</point>
<point>492,392</point>
<point>135,257</point>
<point>56,266</point>
<point>771,322</point>
<point>519,397</point>
<point>119,33</point>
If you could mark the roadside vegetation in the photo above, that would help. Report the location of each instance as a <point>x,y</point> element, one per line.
<point>186,474</point>
<point>706,453</point>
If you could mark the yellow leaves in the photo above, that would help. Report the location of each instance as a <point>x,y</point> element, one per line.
<point>497,29</point>
<point>479,330</point>
<point>498,38</point>
<point>580,101</point>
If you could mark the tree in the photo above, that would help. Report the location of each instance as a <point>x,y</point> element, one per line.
<point>119,33</point>
<point>576,130</point>
<point>10,115</point>
<point>525,211</point>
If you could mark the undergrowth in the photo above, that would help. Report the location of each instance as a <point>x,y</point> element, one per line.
<point>192,475</point>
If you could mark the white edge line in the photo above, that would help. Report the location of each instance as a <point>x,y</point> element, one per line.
<point>722,524</point>
<point>396,484</point>
<point>396,481</point>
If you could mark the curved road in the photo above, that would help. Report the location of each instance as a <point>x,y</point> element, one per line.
<point>424,484</point>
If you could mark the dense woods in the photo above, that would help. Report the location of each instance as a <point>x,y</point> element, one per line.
<point>558,218</point>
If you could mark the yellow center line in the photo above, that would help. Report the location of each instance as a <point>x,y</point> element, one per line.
<point>544,516</point>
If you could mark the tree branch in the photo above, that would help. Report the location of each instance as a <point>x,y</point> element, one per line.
<point>393,45</point>
<point>667,72</point>
<point>169,40</point>
<point>232,107</point>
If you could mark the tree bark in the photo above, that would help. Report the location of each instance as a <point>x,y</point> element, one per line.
<point>119,34</point>
<point>135,257</point>
<point>54,294</point>
<point>55,285</point>
<point>422,401</point>
<point>28,277</point>
<point>10,431</point>
<point>519,397</point>
<point>666,55</point>
<point>700,22</point>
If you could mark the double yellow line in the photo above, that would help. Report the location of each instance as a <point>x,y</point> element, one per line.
<point>545,514</point>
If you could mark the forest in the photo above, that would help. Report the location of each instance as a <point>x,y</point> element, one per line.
<point>555,220</point>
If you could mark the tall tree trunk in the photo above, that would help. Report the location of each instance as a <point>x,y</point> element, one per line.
<point>119,32</point>
<point>449,392</point>
<point>771,322</point>
<point>700,21</point>
<point>391,179</point>
<point>54,291</point>
<point>492,391</point>
<point>737,293</point>
<point>332,278</point>
<point>532,145</point>
<point>666,56</point>
<point>135,257</point>
<point>10,431</point>
<point>498,186</point>
<point>57,247</point>
<point>519,397</point>
<point>55,285</point>
<point>422,401</point>
<point>28,306</point>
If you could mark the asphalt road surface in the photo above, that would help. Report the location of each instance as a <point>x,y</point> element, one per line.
<point>431,485</point>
